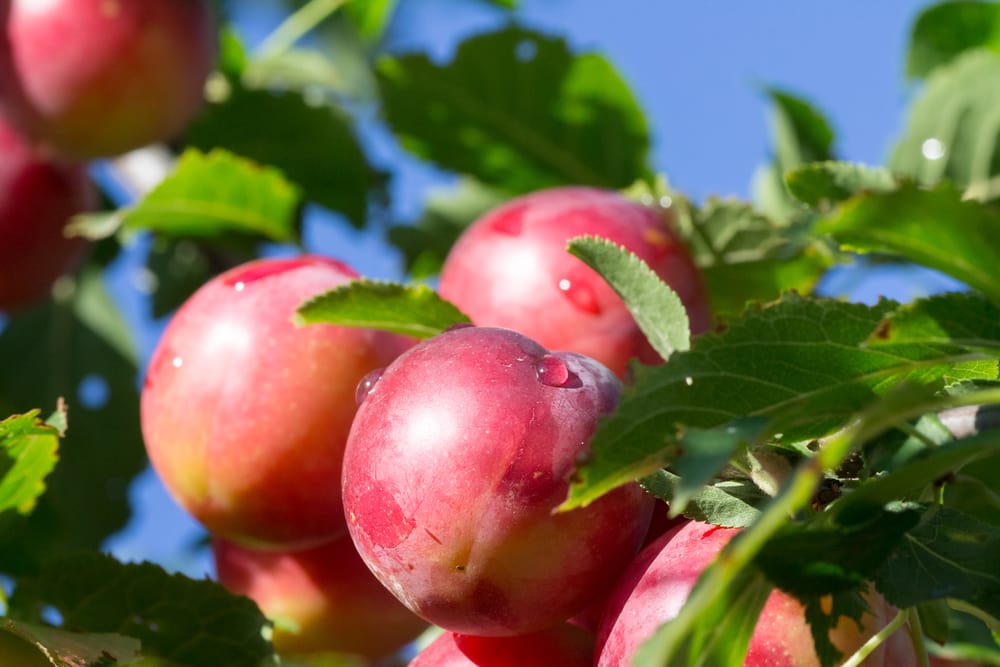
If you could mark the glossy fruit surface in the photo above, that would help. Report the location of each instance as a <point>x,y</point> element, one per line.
<point>96,78</point>
<point>457,458</point>
<point>511,269</point>
<point>322,599</point>
<point>656,585</point>
<point>562,646</point>
<point>37,198</point>
<point>245,415</point>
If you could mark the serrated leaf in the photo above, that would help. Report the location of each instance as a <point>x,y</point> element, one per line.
<point>57,350</point>
<point>746,256</point>
<point>188,622</point>
<point>71,649</point>
<point>722,635</point>
<point>953,131</point>
<point>949,555</point>
<point>798,362</point>
<point>965,319</point>
<point>446,215</point>
<point>655,306</point>
<point>935,228</point>
<point>518,111</point>
<point>415,310</point>
<point>28,453</point>
<point>314,146</point>
<point>731,504</point>
<point>820,183</point>
<point>945,30</point>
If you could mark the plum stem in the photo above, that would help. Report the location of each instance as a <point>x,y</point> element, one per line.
<point>877,640</point>
<point>916,630</point>
<point>296,25</point>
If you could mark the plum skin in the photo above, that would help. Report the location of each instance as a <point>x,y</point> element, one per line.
<point>245,415</point>
<point>326,591</point>
<point>561,645</point>
<point>96,78</point>
<point>656,585</point>
<point>38,195</point>
<point>455,462</point>
<point>511,269</point>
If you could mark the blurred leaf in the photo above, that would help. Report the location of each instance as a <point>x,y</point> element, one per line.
<point>63,349</point>
<point>820,183</point>
<point>953,130</point>
<point>655,306</point>
<point>945,30</point>
<point>371,17</point>
<point>800,135</point>
<point>745,256</point>
<point>518,111</point>
<point>446,215</point>
<point>934,228</point>
<point>722,635</point>
<point>731,504</point>
<point>949,555</point>
<point>798,362</point>
<point>307,71</point>
<point>313,145</point>
<point>30,449</point>
<point>72,649</point>
<point>191,623</point>
<point>211,195</point>
<point>180,268</point>
<point>408,310</point>
<point>232,59</point>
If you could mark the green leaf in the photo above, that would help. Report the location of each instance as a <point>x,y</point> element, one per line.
<point>655,306</point>
<point>824,614</point>
<point>446,215</point>
<point>965,319</point>
<point>518,111</point>
<point>953,130</point>
<point>723,631</point>
<point>29,450</point>
<point>408,310</point>
<point>798,362</point>
<point>821,556</point>
<point>935,228</point>
<point>745,256</point>
<point>191,623</point>
<point>731,504</point>
<point>949,555</point>
<point>47,353</point>
<point>945,30</point>
<point>209,195</point>
<point>820,183</point>
<point>371,17</point>
<point>307,71</point>
<point>314,146</point>
<point>69,649</point>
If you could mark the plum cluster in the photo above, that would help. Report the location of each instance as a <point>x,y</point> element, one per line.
<point>360,485</point>
<point>79,80</point>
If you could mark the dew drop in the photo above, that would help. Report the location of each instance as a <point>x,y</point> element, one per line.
<point>240,286</point>
<point>177,362</point>
<point>552,371</point>
<point>367,384</point>
<point>580,295</point>
<point>933,149</point>
<point>689,380</point>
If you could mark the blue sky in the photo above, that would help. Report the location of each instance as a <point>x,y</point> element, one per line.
<point>696,68</point>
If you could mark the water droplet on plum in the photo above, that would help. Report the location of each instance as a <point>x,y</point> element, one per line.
<point>552,371</point>
<point>177,362</point>
<point>367,385</point>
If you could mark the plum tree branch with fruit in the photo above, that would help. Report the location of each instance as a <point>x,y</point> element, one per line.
<point>603,424</point>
